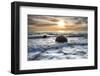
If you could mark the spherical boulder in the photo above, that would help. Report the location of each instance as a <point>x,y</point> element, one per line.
<point>61,39</point>
<point>44,36</point>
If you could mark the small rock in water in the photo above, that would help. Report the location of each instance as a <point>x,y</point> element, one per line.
<point>44,36</point>
<point>61,39</point>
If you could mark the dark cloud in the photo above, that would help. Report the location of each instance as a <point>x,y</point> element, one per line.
<point>81,20</point>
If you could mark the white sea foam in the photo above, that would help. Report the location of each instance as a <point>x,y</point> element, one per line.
<point>47,48</point>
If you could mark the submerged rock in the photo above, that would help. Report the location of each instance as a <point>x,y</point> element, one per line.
<point>61,38</point>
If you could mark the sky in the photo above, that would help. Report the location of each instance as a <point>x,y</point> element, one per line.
<point>57,23</point>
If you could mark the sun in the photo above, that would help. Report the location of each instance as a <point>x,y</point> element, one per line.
<point>61,23</point>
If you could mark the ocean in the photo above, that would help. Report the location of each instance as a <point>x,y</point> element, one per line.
<point>40,48</point>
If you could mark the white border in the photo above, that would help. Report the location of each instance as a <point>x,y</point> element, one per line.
<point>26,65</point>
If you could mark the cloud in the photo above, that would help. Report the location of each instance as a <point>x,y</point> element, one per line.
<point>40,22</point>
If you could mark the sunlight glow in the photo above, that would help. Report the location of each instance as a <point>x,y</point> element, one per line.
<point>61,23</point>
<point>61,31</point>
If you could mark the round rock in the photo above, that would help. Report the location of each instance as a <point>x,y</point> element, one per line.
<point>61,39</point>
<point>44,36</point>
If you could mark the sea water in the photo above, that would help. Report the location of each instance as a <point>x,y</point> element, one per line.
<point>47,48</point>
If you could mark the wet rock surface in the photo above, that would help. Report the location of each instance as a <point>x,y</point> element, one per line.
<point>61,39</point>
<point>44,36</point>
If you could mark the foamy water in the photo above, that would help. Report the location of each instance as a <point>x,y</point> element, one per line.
<point>47,49</point>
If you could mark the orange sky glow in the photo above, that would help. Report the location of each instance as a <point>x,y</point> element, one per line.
<point>57,23</point>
